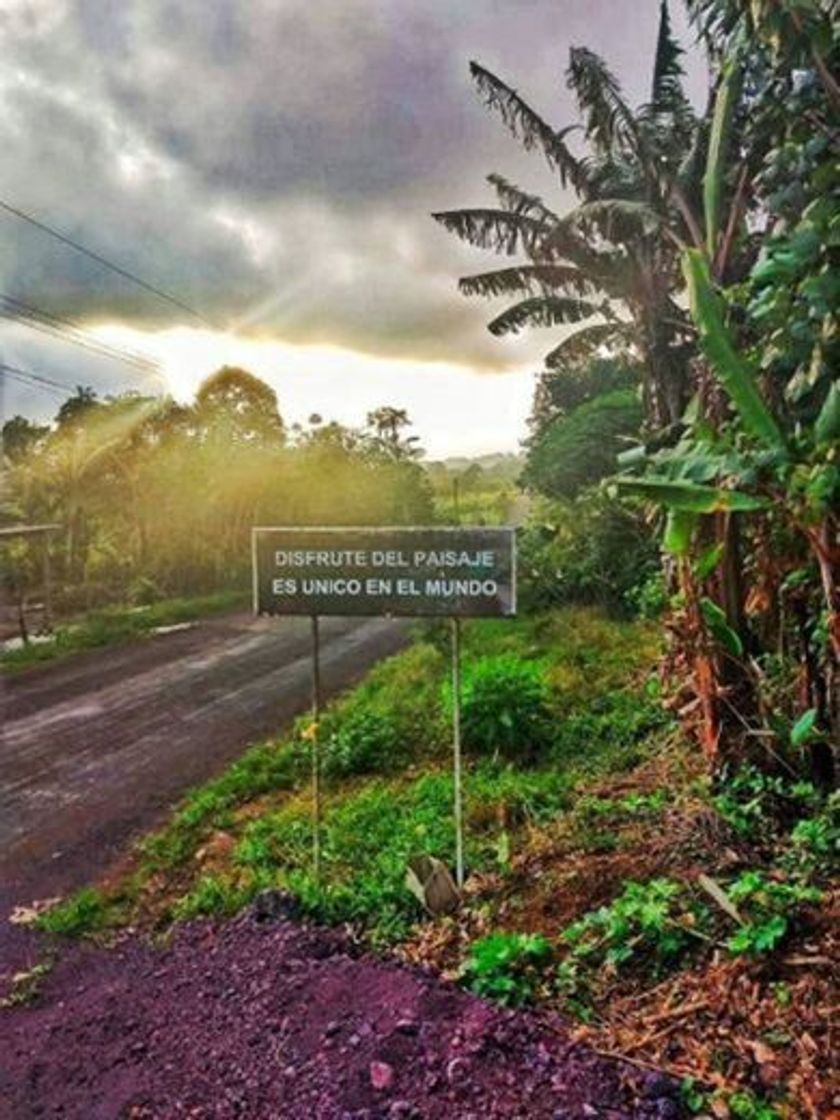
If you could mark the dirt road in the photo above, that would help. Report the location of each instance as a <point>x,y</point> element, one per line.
<point>92,751</point>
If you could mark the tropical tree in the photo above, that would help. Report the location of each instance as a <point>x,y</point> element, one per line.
<point>235,406</point>
<point>388,425</point>
<point>610,265</point>
<point>753,486</point>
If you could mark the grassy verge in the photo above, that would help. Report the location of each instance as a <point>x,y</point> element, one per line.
<point>686,926</point>
<point>115,625</point>
<point>388,786</point>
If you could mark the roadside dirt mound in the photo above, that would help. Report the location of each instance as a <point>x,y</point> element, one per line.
<point>278,1020</point>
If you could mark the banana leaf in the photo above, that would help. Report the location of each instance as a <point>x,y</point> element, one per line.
<point>731,369</point>
<point>691,497</point>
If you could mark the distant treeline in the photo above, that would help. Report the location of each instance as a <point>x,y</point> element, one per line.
<point>154,498</point>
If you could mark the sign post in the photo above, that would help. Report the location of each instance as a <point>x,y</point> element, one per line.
<point>316,750</point>
<point>439,572</point>
<point>456,752</point>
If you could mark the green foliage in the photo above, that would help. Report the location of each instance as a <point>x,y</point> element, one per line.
<point>504,707</point>
<point>768,906</point>
<point>815,841</point>
<point>507,967</point>
<point>618,810</point>
<point>578,450</point>
<point>592,550</point>
<point>613,725</point>
<point>84,912</point>
<point>651,923</point>
<point>213,895</point>
<point>757,804</point>
<point>394,715</point>
<point>649,597</point>
<point>740,1106</point>
<point>560,392</point>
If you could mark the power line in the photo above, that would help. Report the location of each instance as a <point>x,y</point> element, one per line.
<point>32,380</point>
<point>35,376</point>
<point>68,331</point>
<point>94,256</point>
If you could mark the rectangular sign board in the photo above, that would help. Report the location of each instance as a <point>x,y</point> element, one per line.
<point>461,572</point>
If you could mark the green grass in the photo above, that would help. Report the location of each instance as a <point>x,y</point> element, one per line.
<point>116,625</point>
<point>84,912</point>
<point>370,834</point>
<point>388,784</point>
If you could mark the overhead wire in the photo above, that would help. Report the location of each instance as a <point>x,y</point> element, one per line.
<point>51,231</point>
<point>66,330</point>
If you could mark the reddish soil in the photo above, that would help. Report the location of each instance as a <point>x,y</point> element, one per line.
<point>277,1020</point>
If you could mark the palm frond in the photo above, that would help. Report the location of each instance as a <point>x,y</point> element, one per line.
<point>500,230</point>
<point>609,119</point>
<point>616,219</point>
<point>586,343</point>
<point>527,278</point>
<point>541,311</point>
<point>513,198</point>
<point>667,92</point>
<point>529,127</point>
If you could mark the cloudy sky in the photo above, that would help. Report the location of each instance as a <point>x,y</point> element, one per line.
<point>273,164</point>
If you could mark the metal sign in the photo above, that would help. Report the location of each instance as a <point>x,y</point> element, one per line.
<point>457,573</point>
<point>440,572</point>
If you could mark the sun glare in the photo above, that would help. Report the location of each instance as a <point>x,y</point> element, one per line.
<point>454,409</point>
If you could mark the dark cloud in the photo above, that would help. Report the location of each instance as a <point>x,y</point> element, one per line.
<point>274,162</point>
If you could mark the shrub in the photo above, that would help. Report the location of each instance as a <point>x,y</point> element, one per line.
<point>504,707</point>
<point>507,967</point>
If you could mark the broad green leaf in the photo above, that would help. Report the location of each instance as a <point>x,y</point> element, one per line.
<point>722,632</point>
<point>679,529</point>
<point>707,563</point>
<point>827,426</point>
<point>691,496</point>
<point>725,102</point>
<point>731,369</point>
<point>801,730</point>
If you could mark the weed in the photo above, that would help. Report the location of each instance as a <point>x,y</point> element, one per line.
<point>769,907</point>
<point>739,1106</point>
<point>651,922</point>
<point>393,716</point>
<point>815,842</point>
<point>612,725</point>
<point>84,912</point>
<point>214,895</point>
<point>507,967</point>
<point>757,805</point>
